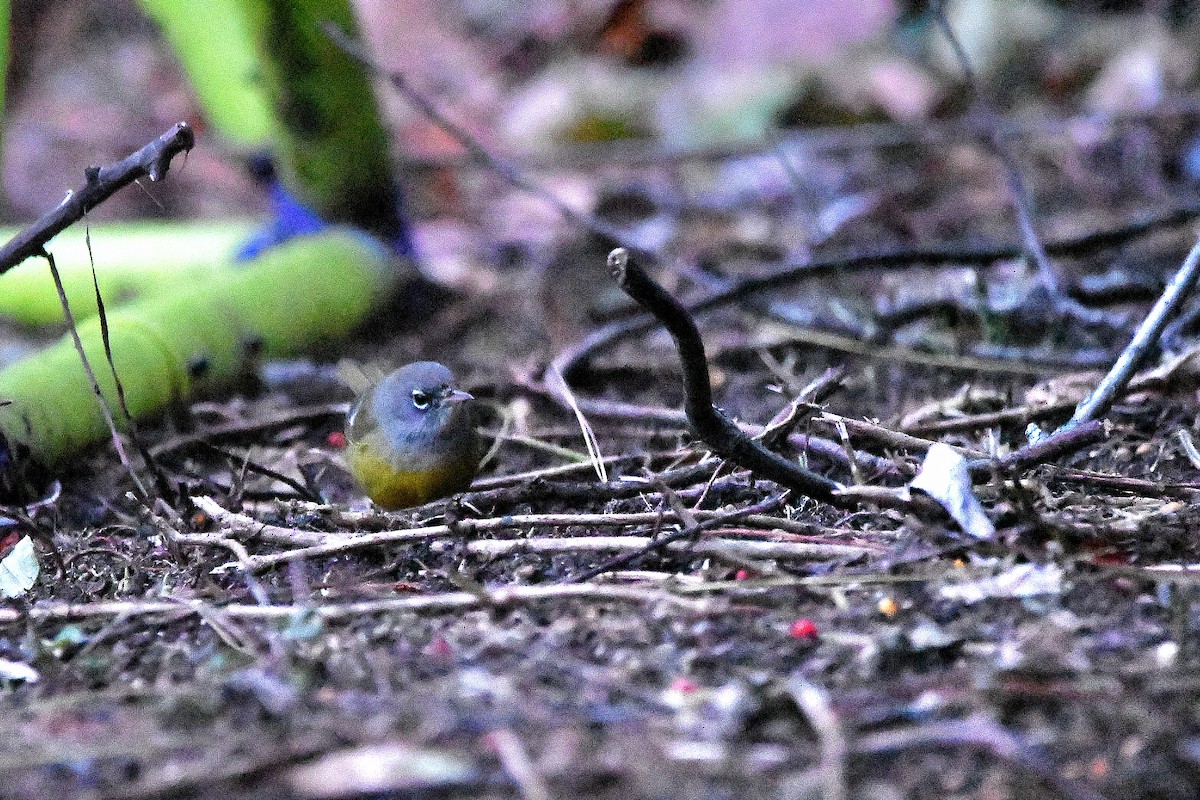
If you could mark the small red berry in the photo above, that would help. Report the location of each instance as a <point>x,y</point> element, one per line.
<point>803,629</point>
<point>684,685</point>
<point>438,648</point>
<point>336,439</point>
<point>742,575</point>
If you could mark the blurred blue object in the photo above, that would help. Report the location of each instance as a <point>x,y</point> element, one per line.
<point>290,217</point>
<point>1191,159</point>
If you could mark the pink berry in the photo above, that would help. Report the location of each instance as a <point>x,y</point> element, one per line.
<point>804,629</point>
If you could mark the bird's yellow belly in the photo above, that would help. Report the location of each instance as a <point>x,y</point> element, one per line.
<point>392,487</point>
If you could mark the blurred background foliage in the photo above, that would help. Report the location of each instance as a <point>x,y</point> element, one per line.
<point>95,76</point>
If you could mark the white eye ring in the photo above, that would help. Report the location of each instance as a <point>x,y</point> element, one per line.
<point>420,399</point>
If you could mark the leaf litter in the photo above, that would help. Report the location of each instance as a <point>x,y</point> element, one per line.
<point>799,651</point>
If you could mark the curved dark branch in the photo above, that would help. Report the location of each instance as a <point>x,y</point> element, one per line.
<point>152,161</point>
<point>706,420</point>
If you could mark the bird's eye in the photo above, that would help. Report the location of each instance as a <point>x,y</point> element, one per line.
<point>421,399</point>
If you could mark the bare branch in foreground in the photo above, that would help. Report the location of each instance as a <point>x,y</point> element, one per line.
<point>313,544</point>
<point>152,161</point>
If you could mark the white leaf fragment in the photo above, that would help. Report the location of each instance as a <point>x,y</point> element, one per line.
<point>18,569</point>
<point>945,478</point>
<point>17,672</point>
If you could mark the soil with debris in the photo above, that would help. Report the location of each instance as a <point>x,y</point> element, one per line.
<point>268,633</point>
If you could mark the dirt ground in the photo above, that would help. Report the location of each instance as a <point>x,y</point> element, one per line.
<point>272,635</point>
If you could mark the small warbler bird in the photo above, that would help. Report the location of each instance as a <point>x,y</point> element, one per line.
<point>411,438</point>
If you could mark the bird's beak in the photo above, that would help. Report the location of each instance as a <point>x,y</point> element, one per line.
<point>456,396</point>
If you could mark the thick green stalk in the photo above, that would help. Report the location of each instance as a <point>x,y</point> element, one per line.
<point>268,75</point>
<point>133,260</point>
<point>331,147</point>
<point>213,41</point>
<point>310,290</point>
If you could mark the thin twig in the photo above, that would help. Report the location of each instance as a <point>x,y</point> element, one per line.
<point>301,415</point>
<point>160,479</point>
<point>514,757</point>
<point>766,526</point>
<point>559,388</point>
<point>1144,340</point>
<point>716,547</point>
<point>539,490</point>
<point>1018,415</point>
<point>813,702</point>
<point>1018,190</point>
<point>844,439</point>
<point>432,604</point>
<point>500,481</point>
<point>258,469</point>
<point>101,400</point>
<point>889,438</point>
<point>979,733</point>
<point>662,542</point>
<point>1098,481</point>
